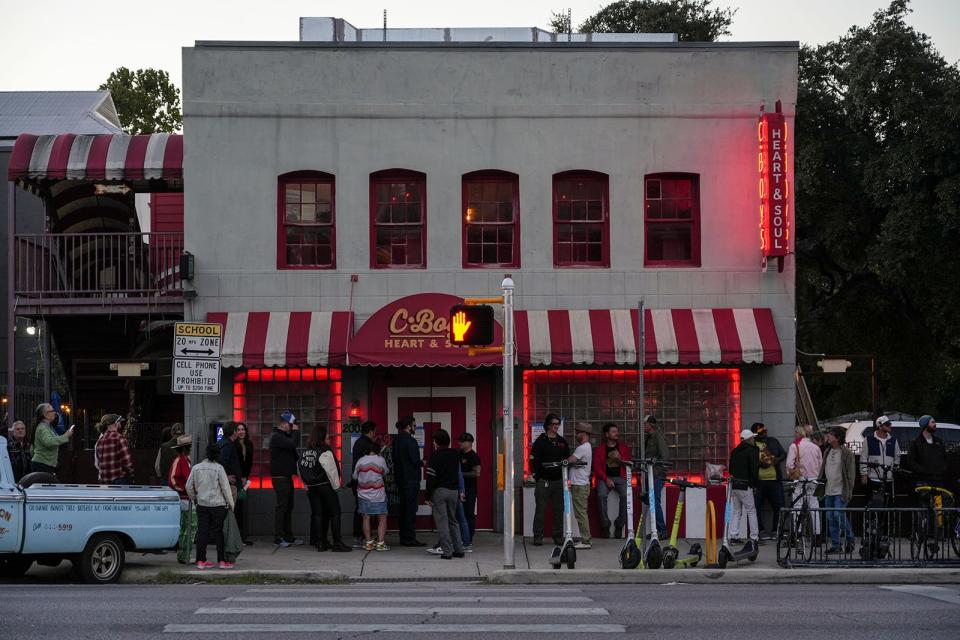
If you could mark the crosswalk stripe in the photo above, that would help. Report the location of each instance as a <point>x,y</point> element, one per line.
<point>406,611</point>
<point>431,598</point>
<point>927,591</point>
<point>459,628</point>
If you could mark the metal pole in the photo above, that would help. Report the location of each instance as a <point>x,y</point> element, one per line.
<point>508,461</point>
<point>641,357</point>
<point>11,310</point>
<point>873,386</point>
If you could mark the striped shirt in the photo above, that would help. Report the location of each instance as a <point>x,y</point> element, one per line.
<point>369,476</point>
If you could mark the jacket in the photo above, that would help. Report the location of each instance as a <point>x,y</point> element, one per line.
<point>283,454</point>
<point>546,450</point>
<point>745,463</point>
<point>179,474</point>
<point>600,459</point>
<point>113,459</point>
<point>406,460</point>
<point>165,457</point>
<point>655,446</point>
<point>775,449</point>
<point>19,453</point>
<point>46,445</point>
<point>443,470</point>
<point>928,462</point>
<point>230,459</point>
<point>872,449</point>
<point>331,470</point>
<point>245,452</point>
<point>207,485</point>
<point>847,471</point>
<point>807,456</point>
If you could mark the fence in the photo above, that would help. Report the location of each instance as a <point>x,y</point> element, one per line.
<point>901,537</point>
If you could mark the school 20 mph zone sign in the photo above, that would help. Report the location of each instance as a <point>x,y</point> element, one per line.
<point>196,357</point>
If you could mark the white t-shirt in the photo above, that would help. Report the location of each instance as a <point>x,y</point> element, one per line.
<point>580,476</point>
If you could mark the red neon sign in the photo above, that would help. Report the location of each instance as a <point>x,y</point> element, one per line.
<point>774,186</point>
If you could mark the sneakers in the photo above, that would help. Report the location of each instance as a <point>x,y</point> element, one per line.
<point>583,545</point>
<point>295,542</point>
<point>381,546</point>
<point>369,545</point>
<point>833,550</point>
<point>538,542</point>
<point>204,564</point>
<point>225,565</point>
<point>468,548</point>
<point>765,536</point>
<point>358,543</point>
<point>436,551</point>
<point>459,555</point>
<point>280,542</point>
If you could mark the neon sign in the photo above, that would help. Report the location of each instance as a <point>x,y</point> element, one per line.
<point>774,186</point>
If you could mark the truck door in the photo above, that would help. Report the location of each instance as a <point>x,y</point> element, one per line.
<point>11,505</point>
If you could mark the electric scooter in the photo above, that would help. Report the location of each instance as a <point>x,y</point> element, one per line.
<point>671,554</point>
<point>630,557</point>
<point>565,553</point>
<point>727,553</point>
<point>653,554</point>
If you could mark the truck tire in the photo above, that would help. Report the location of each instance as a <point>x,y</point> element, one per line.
<point>14,567</point>
<point>102,560</point>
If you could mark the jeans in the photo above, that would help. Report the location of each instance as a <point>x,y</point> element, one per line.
<point>742,500</point>
<point>470,508</point>
<point>812,503</point>
<point>210,521</point>
<point>548,491</point>
<point>770,491</point>
<point>462,523</point>
<point>837,519</point>
<point>324,515</point>
<point>603,491</point>
<point>409,497</point>
<point>283,512</point>
<point>445,503</point>
<point>658,495</point>
<point>122,480</point>
<point>580,496</point>
<point>357,516</point>
<point>188,533</point>
<point>43,468</point>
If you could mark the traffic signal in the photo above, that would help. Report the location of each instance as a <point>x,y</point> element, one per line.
<point>471,325</point>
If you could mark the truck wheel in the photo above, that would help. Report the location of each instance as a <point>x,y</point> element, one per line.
<point>14,567</point>
<point>102,560</point>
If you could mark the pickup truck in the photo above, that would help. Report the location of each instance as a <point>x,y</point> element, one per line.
<point>90,525</point>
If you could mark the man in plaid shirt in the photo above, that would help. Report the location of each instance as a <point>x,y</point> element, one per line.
<point>114,461</point>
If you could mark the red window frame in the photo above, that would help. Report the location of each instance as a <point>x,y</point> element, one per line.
<point>398,176</point>
<point>470,221</point>
<point>603,180</point>
<point>305,177</point>
<point>693,222</point>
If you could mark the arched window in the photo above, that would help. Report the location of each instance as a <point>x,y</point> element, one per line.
<point>306,233</point>
<point>491,219</point>
<point>581,219</point>
<point>671,220</point>
<point>398,219</point>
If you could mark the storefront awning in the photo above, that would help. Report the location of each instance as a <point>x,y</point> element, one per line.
<point>672,336</point>
<point>108,157</point>
<point>284,338</point>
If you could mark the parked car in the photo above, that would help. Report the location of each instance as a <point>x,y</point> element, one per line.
<point>90,525</point>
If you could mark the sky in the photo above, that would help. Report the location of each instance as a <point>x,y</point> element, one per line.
<point>74,45</point>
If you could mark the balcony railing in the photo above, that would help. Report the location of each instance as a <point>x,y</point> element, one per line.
<point>111,267</point>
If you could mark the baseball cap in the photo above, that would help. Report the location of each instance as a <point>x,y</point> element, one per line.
<point>465,437</point>
<point>652,419</point>
<point>112,418</point>
<point>746,434</point>
<point>288,417</point>
<point>882,420</point>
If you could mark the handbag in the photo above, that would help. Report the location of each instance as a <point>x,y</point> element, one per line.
<point>795,473</point>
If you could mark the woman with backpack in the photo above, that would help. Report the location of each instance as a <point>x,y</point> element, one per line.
<point>320,473</point>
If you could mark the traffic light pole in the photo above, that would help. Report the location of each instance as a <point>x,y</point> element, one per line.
<point>508,461</point>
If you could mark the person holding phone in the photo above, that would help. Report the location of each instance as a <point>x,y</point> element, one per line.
<point>46,442</point>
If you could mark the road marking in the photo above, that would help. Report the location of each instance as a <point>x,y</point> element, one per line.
<point>431,598</point>
<point>405,611</point>
<point>927,591</point>
<point>459,628</point>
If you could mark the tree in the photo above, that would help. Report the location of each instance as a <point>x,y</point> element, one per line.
<point>146,100</point>
<point>690,19</point>
<point>878,212</point>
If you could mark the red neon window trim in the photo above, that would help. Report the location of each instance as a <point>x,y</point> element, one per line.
<point>671,220</point>
<point>491,219</point>
<point>306,220</point>
<point>581,219</point>
<point>398,219</point>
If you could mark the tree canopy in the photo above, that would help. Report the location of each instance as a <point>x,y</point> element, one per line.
<point>692,20</point>
<point>146,100</point>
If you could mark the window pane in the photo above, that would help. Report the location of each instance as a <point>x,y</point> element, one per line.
<point>324,212</point>
<point>293,212</point>
<point>669,242</point>
<point>308,193</point>
<point>292,193</point>
<point>308,212</point>
<point>383,213</point>
<point>475,254</point>
<point>323,192</point>
<point>653,189</point>
<point>654,208</point>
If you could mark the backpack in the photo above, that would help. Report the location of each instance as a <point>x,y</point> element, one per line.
<point>310,469</point>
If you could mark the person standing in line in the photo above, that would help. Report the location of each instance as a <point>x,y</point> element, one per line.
<point>407,470</point>
<point>610,472</point>
<point>927,458</point>
<point>18,448</point>
<point>179,474</point>
<point>879,447</point>
<point>245,451</point>
<point>470,466</point>
<point>770,483</point>
<point>283,466</point>
<point>548,447</point>
<point>443,494</point>
<point>229,459</point>
<point>838,472</point>
<point>655,447</point>
<point>207,485</point>
<point>580,481</point>
<point>360,448</point>
<point>112,452</point>
<point>465,537</point>
<point>744,473</point>
<point>372,494</point>
<point>166,454</point>
<point>804,460</point>
<point>321,476</point>
<point>46,442</point>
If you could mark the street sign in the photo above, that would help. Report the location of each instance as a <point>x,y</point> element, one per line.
<point>191,375</point>
<point>197,340</point>
<point>471,324</point>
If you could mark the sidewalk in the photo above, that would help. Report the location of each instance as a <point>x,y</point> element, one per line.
<point>595,566</point>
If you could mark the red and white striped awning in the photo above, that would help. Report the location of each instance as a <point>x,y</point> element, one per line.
<point>672,336</point>
<point>284,338</point>
<point>68,156</point>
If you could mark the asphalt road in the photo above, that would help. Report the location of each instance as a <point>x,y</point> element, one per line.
<point>466,611</point>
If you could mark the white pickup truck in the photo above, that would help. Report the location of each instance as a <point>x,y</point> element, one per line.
<point>90,525</point>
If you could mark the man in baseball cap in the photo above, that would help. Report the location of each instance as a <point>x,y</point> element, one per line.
<point>580,479</point>
<point>283,466</point>
<point>744,474</point>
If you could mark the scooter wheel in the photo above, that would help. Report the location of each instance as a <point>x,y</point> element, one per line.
<point>571,558</point>
<point>654,557</point>
<point>723,558</point>
<point>756,552</point>
<point>669,559</point>
<point>630,556</point>
<point>696,550</point>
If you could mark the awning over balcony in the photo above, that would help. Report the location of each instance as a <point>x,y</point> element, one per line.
<point>284,338</point>
<point>107,157</point>
<point>672,336</point>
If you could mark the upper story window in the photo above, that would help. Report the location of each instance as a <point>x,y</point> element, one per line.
<point>671,216</point>
<point>306,234</point>
<point>581,219</point>
<point>491,219</point>
<point>398,219</point>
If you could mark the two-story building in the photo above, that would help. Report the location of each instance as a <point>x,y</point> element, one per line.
<point>346,189</point>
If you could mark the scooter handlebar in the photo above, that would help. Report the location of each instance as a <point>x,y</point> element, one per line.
<point>562,463</point>
<point>684,484</point>
<point>665,464</point>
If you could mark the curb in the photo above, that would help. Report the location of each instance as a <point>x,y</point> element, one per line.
<point>141,576</point>
<point>732,576</point>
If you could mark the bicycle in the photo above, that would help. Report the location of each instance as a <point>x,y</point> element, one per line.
<point>876,540</point>
<point>800,533</point>
<point>932,524</point>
